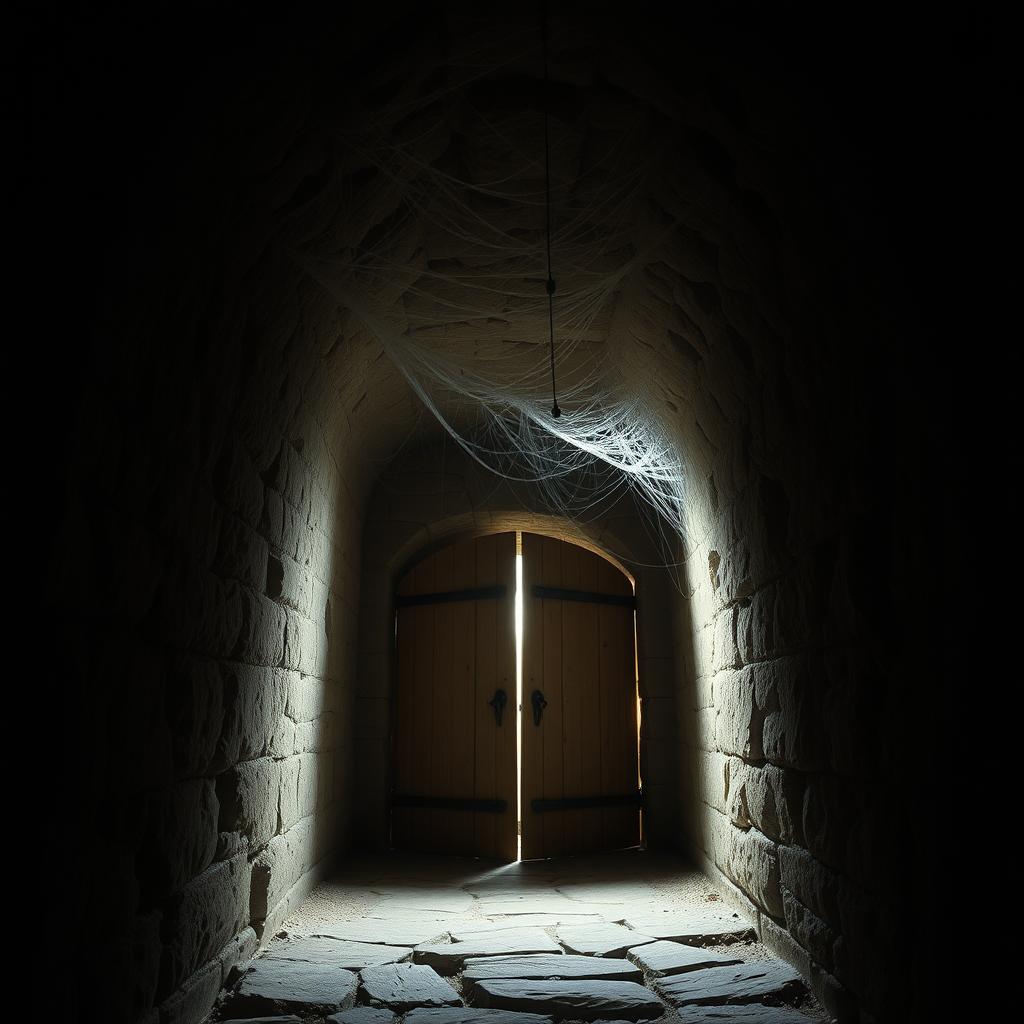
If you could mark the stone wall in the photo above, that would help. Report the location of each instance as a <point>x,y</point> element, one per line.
<point>792,794</point>
<point>205,570</point>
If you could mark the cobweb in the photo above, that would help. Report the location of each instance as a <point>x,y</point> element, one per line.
<point>468,326</point>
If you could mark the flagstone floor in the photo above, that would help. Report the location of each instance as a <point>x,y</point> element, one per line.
<point>409,939</point>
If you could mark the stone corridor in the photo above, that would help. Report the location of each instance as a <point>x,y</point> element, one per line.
<point>630,936</point>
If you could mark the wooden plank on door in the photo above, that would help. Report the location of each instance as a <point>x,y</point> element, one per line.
<point>451,769</point>
<point>551,722</point>
<point>573,697</point>
<point>485,755</point>
<point>442,821</point>
<point>532,774</point>
<point>578,649</point>
<point>463,690</point>
<point>590,671</point>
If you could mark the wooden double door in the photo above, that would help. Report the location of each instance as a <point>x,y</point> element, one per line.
<point>477,760</point>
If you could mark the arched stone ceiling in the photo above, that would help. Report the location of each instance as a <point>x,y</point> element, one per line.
<point>694,234</point>
<point>706,241</point>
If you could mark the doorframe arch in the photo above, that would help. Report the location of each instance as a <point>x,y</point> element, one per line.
<point>424,506</point>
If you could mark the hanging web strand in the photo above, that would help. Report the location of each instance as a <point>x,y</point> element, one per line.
<point>555,411</point>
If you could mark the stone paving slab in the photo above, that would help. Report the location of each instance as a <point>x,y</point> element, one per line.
<point>600,939</point>
<point>283,986</point>
<point>448,957</point>
<point>749,983</point>
<point>398,931</point>
<point>494,920</point>
<point>578,1000</point>
<point>703,929</point>
<point>755,1014</point>
<point>563,966</point>
<point>436,899</point>
<point>475,1015</point>
<point>364,1015</point>
<point>353,956</point>
<point>664,957</point>
<point>403,987</point>
<point>286,1018</point>
<point>527,903</point>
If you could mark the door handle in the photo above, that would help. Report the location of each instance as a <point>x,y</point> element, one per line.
<point>539,704</point>
<point>499,705</point>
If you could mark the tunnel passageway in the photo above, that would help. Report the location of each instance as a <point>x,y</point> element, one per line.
<point>309,345</point>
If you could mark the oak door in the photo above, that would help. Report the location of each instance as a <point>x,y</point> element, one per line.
<point>454,739</point>
<point>580,766</point>
<point>455,783</point>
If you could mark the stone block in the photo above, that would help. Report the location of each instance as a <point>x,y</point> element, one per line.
<point>195,713</point>
<point>726,653</point>
<point>713,779</point>
<point>473,1015</point>
<point>693,927</point>
<point>305,645</point>
<point>276,869</point>
<point>304,696</point>
<point>600,939</point>
<point>289,583</point>
<point>738,727</point>
<point>241,554</point>
<point>772,980</point>
<point>282,986</point>
<point>203,917</point>
<point>751,861</point>
<point>868,923</point>
<point>811,882</point>
<point>769,798</point>
<point>180,837</point>
<point>403,987</point>
<point>664,957</point>
<point>850,714</point>
<point>753,1013</point>
<point>573,1000</point>
<point>449,957</point>
<point>237,482</point>
<point>260,639</point>
<point>352,956</point>
<point>254,707</point>
<point>313,778</point>
<point>830,810</point>
<point>272,521</point>
<point>367,1015</point>
<point>550,965</point>
<point>196,996</point>
<point>288,811</point>
<point>792,731</point>
<point>809,930</point>
<point>249,797</point>
<point>196,610</point>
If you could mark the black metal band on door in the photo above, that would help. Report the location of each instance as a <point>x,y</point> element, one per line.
<point>448,596</point>
<point>586,596</point>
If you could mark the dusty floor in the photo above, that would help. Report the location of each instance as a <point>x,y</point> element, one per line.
<point>436,894</point>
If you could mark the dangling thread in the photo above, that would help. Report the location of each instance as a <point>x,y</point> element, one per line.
<point>555,411</point>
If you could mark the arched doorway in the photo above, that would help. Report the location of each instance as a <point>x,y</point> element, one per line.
<point>471,748</point>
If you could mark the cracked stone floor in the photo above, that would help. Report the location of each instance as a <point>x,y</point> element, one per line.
<point>415,939</point>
